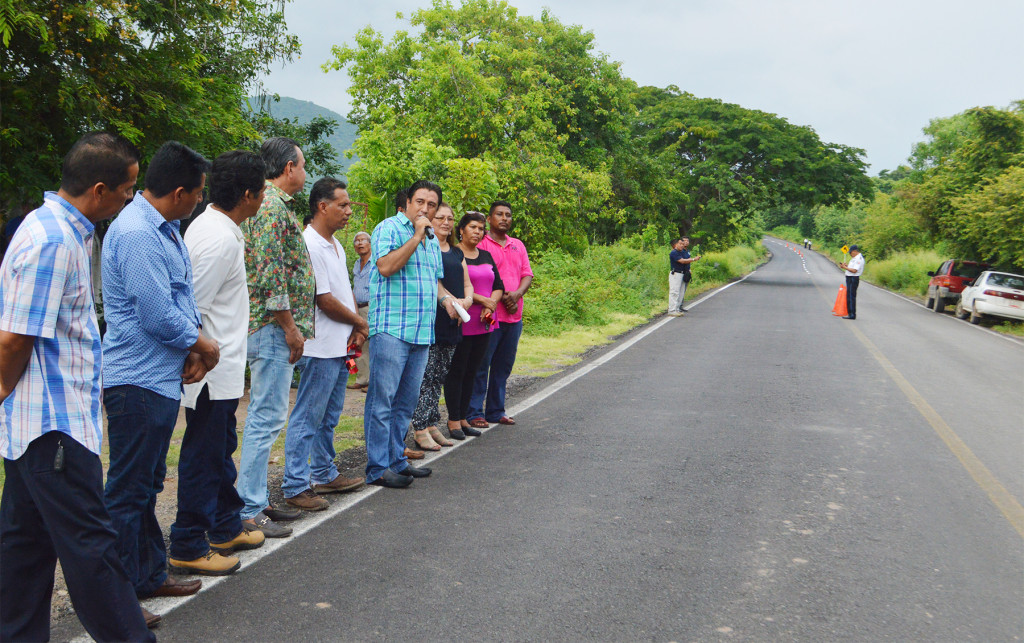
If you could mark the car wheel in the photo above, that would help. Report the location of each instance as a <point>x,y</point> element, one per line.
<point>975,315</point>
<point>959,310</point>
<point>940,304</point>
<point>930,302</point>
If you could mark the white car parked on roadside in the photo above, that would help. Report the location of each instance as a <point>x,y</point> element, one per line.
<point>993,293</point>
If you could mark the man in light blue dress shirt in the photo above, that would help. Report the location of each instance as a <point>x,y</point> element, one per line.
<point>153,342</point>
<point>51,430</point>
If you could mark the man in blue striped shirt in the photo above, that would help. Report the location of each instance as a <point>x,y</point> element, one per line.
<point>50,425</point>
<point>405,286</point>
<point>153,341</point>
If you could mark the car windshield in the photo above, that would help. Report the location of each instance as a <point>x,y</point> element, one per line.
<point>971,271</point>
<point>1005,281</point>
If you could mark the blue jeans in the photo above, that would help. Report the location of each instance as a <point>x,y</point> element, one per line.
<point>269,387</point>
<point>208,503</point>
<point>396,372</point>
<point>492,377</point>
<point>309,442</point>
<point>139,427</point>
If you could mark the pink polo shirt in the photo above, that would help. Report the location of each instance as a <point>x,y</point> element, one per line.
<point>513,264</point>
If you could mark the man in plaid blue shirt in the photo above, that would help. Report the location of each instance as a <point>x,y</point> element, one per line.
<point>50,425</point>
<point>405,288</point>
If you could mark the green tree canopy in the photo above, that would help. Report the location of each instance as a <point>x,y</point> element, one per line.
<point>526,97</point>
<point>728,161</point>
<point>148,69</point>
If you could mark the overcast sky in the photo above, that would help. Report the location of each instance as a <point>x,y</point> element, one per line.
<point>865,73</point>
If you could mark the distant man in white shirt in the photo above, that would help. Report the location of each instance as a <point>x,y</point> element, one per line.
<point>309,468</point>
<point>208,504</point>
<point>854,269</point>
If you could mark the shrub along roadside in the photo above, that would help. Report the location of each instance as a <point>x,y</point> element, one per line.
<point>571,291</point>
<point>580,302</point>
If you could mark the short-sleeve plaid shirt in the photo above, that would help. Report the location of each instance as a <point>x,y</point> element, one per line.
<point>46,292</point>
<point>404,304</point>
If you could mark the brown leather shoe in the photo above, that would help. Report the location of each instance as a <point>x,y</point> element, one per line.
<point>152,620</point>
<point>339,485</point>
<point>309,501</point>
<point>413,454</point>
<point>174,587</point>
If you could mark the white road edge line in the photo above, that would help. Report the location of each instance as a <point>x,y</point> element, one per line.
<point>310,521</point>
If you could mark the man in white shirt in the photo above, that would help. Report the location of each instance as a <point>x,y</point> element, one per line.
<point>208,504</point>
<point>854,269</point>
<point>309,468</point>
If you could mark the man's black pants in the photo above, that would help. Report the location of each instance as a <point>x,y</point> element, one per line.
<point>851,295</point>
<point>47,515</point>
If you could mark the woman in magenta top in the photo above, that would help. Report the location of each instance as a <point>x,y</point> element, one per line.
<point>487,291</point>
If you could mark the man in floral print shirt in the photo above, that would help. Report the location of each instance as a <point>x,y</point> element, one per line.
<point>281,301</point>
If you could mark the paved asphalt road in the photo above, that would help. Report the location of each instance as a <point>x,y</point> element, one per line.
<point>756,470</point>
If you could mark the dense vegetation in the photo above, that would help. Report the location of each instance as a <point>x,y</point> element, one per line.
<point>960,195</point>
<point>486,101</point>
<point>489,102</point>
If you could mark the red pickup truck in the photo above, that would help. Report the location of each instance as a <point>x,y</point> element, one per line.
<point>949,281</point>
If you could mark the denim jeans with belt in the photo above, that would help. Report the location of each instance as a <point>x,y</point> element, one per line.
<point>139,427</point>
<point>270,384</point>
<point>492,377</point>
<point>309,443</point>
<point>396,372</point>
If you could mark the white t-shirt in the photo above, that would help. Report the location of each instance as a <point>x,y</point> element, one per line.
<point>331,272</point>
<point>855,266</point>
<point>217,250</point>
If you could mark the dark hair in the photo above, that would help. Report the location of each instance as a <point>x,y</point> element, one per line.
<point>97,157</point>
<point>401,200</point>
<point>323,190</point>
<point>424,184</point>
<point>233,174</point>
<point>277,152</point>
<point>175,166</point>
<point>675,241</point>
<point>498,204</point>
<point>470,217</point>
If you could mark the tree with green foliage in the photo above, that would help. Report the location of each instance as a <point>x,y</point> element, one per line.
<point>729,161</point>
<point>525,97</point>
<point>147,69</point>
<point>968,155</point>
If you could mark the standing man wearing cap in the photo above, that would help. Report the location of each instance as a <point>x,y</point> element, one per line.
<point>854,269</point>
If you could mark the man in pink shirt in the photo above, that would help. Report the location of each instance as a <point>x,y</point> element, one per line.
<point>514,267</point>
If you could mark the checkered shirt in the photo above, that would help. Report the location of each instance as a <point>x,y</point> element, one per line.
<point>404,304</point>
<point>46,292</point>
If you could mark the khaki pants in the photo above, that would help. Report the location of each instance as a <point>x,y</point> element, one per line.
<point>363,363</point>
<point>676,291</point>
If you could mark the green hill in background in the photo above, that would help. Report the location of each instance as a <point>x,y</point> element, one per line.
<point>304,111</point>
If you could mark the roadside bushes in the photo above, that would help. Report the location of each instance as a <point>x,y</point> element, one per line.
<point>904,272</point>
<point>583,290</point>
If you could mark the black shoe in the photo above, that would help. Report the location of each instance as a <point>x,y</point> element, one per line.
<point>281,514</point>
<point>415,472</point>
<point>456,434</point>
<point>471,432</point>
<point>392,480</point>
<point>850,317</point>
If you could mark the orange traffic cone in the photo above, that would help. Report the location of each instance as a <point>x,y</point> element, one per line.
<point>839,310</point>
